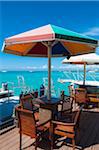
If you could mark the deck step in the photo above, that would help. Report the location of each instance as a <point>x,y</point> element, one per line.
<point>7,123</point>
<point>7,129</point>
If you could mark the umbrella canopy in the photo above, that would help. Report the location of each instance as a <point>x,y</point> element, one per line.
<point>49,41</point>
<point>92,58</point>
<point>31,43</point>
<point>83,59</point>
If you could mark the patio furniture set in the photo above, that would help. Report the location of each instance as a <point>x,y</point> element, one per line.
<point>36,117</point>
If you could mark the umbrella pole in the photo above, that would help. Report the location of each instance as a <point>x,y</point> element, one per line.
<point>84,74</point>
<point>49,70</point>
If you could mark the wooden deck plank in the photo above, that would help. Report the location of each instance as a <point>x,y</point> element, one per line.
<point>9,143</point>
<point>15,141</point>
<point>8,136</point>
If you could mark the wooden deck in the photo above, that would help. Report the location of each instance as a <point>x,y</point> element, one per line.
<point>87,137</point>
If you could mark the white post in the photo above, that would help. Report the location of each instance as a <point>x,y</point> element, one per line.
<point>84,73</point>
<point>49,70</point>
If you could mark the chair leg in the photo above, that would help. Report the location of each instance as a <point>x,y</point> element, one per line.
<point>52,143</point>
<point>73,143</point>
<point>51,130</point>
<point>20,141</point>
<point>36,143</point>
<point>51,140</point>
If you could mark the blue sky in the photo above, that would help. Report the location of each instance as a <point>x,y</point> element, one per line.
<point>19,16</point>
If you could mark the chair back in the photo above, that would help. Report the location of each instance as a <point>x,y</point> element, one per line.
<point>80,95</point>
<point>44,115</point>
<point>27,122</point>
<point>67,105</point>
<point>94,97</point>
<point>77,116</point>
<point>71,90</point>
<point>27,102</point>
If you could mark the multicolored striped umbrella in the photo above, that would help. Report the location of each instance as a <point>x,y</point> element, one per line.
<point>49,41</point>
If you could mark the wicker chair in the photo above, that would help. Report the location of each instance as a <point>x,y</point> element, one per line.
<point>81,96</point>
<point>29,126</point>
<point>71,91</point>
<point>65,127</point>
<point>26,102</point>
<point>65,106</point>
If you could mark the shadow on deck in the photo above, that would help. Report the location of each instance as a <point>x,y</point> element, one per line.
<point>87,137</point>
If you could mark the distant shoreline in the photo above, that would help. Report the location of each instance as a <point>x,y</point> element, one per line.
<point>31,71</point>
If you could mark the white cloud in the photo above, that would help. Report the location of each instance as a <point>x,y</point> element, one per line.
<point>62,67</point>
<point>52,66</point>
<point>70,66</point>
<point>45,67</point>
<point>31,67</point>
<point>92,31</point>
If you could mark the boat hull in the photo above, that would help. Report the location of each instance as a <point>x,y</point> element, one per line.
<point>6,109</point>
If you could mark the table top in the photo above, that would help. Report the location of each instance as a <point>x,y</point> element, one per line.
<point>44,100</point>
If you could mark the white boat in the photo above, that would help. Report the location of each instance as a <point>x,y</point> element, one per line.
<point>80,82</point>
<point>31,71</point>
<point>4,71</point>
<point>91,84</point>
<point>87,83</point>
<point>6,93</point>
<point>65,80</point>
<point>93,71</point>
<point>7,104</point>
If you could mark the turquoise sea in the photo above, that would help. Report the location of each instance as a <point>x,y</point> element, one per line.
<point>34,79</point>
